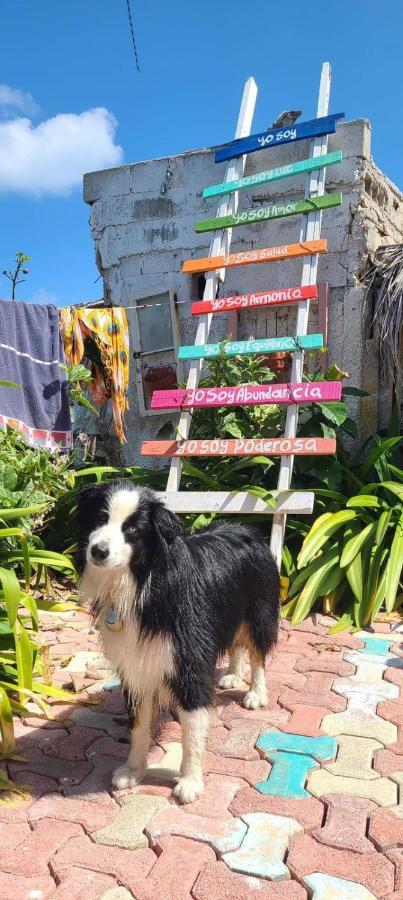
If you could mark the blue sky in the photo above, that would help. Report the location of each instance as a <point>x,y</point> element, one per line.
<point>62,61</point>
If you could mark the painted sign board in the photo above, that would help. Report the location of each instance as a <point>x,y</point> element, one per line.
<point>241,447</point>
<point>245,348</point>
<point>298,168</point>
<point>271,211</point>
<point>249,257</point>
<point>248,395</point>
<point>236,302</point>
<point>274,137</point>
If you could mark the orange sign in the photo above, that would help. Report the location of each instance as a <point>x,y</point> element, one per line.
<point>249,257</point>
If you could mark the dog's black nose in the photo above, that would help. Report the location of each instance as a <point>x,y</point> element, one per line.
<point>100,551</point>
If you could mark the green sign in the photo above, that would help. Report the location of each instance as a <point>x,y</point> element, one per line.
<point>246,348</point>
<point>298,168</point>
<point>270,211</point>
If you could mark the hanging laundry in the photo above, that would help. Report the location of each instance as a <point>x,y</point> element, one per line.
<point>102,335</point>
<point>31,353</point>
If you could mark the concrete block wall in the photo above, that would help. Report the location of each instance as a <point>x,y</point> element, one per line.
<point>142,221</point>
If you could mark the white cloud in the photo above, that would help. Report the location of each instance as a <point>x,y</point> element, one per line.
<point>51,158</point>
<point>14,99</point>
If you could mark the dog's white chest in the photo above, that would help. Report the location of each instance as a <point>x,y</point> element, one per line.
<point>144,663</point>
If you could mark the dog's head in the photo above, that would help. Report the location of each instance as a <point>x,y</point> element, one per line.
<point>121,525</point>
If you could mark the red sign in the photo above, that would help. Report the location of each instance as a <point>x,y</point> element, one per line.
<point>255,301</point>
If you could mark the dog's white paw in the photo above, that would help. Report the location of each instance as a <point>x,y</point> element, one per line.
<point>188,789</point>
<point>125,777</point>
<point>253,699</point>
<point>231,681</point>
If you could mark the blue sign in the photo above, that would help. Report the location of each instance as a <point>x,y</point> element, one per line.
<point>266,139</point>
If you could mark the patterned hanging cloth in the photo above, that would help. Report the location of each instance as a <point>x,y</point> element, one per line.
<point>108,329</point>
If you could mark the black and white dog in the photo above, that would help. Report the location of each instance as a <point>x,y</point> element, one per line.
<point>167,606</point>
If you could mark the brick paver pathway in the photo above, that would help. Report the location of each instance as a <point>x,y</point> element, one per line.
<point>302,799</point>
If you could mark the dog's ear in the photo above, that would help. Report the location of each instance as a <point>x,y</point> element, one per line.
<point>167,524</point>
<point>86,496</point>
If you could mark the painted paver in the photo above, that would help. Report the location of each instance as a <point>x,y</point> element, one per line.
<point>325,756</point>
<point>320,748</point>
<point>327,887</point>
<point>288,774</point>
<point>264,846</point>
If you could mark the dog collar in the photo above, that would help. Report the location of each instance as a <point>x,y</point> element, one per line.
<point>111,620</point>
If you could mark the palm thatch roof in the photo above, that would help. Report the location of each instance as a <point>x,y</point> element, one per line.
<point>384,282</point>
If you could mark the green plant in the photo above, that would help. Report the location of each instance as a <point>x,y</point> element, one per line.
<point>13,274</point>
<point>352,554</point>
<point>79,378</point>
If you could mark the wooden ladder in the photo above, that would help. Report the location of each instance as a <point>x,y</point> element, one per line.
<point>220,258</point>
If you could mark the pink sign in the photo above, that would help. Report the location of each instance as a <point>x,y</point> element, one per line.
<point>248,395</point>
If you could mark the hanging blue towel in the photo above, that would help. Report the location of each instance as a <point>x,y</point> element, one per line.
<point>31,351</point>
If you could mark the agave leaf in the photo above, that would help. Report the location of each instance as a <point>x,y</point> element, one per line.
<point>363,500</point>
<point>382,526</point>
<point>394,488</point>
<point>377,453</point>
<point>345,622</point>
<point>394,567</point>
<point>317,537</point>
<point>312,589</point>
<point>23,654</point>
<point>354,544</point>
<point>22,512</point>
<point>308,570</point>
<point>6,725</point>
<point>12,593</point>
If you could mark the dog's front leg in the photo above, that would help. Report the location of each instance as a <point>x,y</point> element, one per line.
<point>195,729</point>
<point>132,772</point>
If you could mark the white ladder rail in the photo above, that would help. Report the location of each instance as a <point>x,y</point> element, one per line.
<point>310,230</point>
<point>218,247</point>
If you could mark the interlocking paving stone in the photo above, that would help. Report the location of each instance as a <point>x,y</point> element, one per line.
<point>342,829</point>
<point>219,792</point>
<point>125,866</point>
<point>223,835</point>
<point>234,711</point>
<point>321,748</point>
<point>349,723</point>
<point>31,855</point>
<point>117,893</point>
<point>372,870</point>
<point>74,809</point>
<point>309,811</point>
<point>328,887</point>
<point>354,757</point>
<point>264,846</point>
<point>127,827</point>
<point>328,699</point>
<point>98,720</point>
<point>20,888</point>
<point>81,884</point>
<point>67,772</point>
<point>375,645</point>
<point>364,697</point>
<point>174,874</point>
<point>386,762</point>
<point>357,658</point>
<point>306,720</point>
<point>74,745</point>
<point>288,774</point>
<point>217,882</point>
<point>335,666</point>
<point>381,790</point>
<point>392,709</point>
<point>386,828</point>
<point>249,770</point>
<point>396,856</point>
